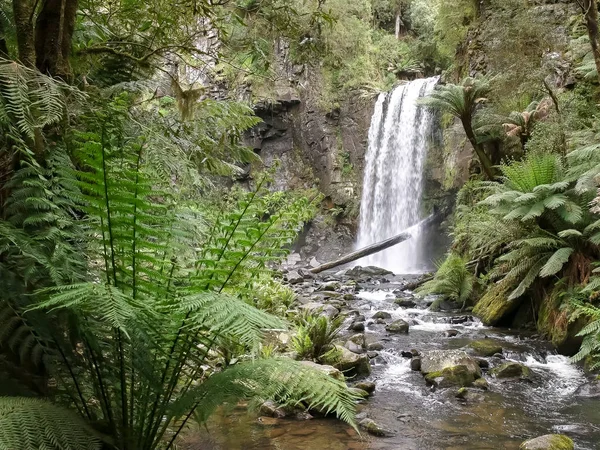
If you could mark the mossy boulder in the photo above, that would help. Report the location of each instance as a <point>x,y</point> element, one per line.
<point>371,427</point>
<point>438,360</point>
<point>481,383</point>
<point>348,362</point>
<point>511,370</point>
<point>382,315</point>
<point>398,326</point>
<point>549,442</point>
<point>329,370</point>
<point>451,376</point>
<point>485,347</point>
<point>495,305</point>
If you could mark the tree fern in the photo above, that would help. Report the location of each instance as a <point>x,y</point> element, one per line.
<point>30,423</point>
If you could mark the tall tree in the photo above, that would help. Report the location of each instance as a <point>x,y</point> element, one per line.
<point>590,11</point>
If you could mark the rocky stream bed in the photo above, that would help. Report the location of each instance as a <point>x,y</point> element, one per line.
<point>441,379</point>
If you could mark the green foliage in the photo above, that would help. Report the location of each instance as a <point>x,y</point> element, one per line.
<point>315,334</point>
<point>272,296</point>
<point>130,302</point>
<point>453,280</point>
<point>30,423</point>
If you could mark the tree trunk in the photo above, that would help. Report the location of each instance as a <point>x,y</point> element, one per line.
<point>484,160</point>
<point>53,35</point>
<point>373,248</point>
<point>23,15</point>
<point>3,46</point>
<point>590,10</point>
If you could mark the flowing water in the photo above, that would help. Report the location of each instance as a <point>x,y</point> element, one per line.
<point>399,136</point>
<point>422,419</point>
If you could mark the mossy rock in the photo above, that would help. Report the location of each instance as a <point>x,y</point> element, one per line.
<point>348,362</point>
<point>485,347</point>
<point>495,305</point>
<point>451,376</point>
<point>398,326</point>
<point>481,383</point>
<point>511,370</point>
<point>549,442</point>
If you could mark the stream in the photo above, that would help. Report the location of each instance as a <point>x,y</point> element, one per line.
<point>418,417</point>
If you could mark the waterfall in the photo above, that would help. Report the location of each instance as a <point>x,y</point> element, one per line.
<point>399,136</point>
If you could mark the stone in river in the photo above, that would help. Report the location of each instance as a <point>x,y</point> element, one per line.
<point>398,326</point>
<point>382,315</point>
<point>511,370</point>
<point>549,442</point>
<point>485,347</point>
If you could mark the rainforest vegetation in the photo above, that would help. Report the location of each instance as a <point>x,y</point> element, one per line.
<point>141,238</point>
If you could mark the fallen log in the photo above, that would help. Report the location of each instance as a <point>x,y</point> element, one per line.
<point>374,248</point>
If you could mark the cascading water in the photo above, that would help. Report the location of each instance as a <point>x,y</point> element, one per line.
<point>399,136</point>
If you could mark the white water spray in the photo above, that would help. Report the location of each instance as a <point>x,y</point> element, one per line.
<point>399,136</point>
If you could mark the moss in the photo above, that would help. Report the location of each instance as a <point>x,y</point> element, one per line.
<point>495,305</point>
<point>485,347</point>
<point>451,376</point>
<point>549,442</point>
<point>511,370</point>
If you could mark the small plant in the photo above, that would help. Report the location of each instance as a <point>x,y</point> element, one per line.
<point>315,335</point>
<point>452,280</point>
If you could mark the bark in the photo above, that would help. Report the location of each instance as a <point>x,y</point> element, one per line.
<point>590,10</point>
<point>53,35</point>
<point>23,16</point>
<point>484,159</point>
<point>3,46</point>
<point>373,248</point>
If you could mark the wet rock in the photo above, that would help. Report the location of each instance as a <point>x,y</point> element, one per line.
<point>369,271</point>
<point>462,393</point>
<point>314,263</point>
<point>481,383</point>
<point>398,326</point>
<point>357,326</point>
<point>353,347</point>
<point>451,376</point>
<point>294,277</point>
<point>375,346</point>
<point>483,363</point>
<point>378,322</point>
<point>371,427</point>
<point>367,386</point>
<point>346,361</point>
<point>382,315</point>
<point>415,363</point>
<point>268,421</point>
<point>349,297</point>
<point>372,354</point>
<point>440,304</point>
<point>405,302</point>
<point>358,392</point>
<point>451,333</point>
<point>329,370</point>
<point>549,442</point>
<point>326,310</point>
<point>358,339</point>
<point>331,286</point>
<point>460,319</point>
<point>360,318</point>
<point>589,390</point>
<point>303,415</point>
<point>272,409</point>
<point>306,274</point>
<point>511,370</point>
<point>484,347</point>
<point>438,360</point>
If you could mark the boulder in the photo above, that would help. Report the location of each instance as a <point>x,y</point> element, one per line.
<point>368,271</point>
<point>353,347</point>
<point>361,393</point>
<point>511,370</point>
<point>451,376</point>
<point>415,363</point>
<point>358,339</point>
<point>367,386</point>
<point>481,383</point>
<point>330,286</point>
<point>272,409</point>
<point>398,326</point>
<point>293,277</point>
<point>357,326</point>
<point>382,315</point>
<point>438,360</point>
<point>404,302</point>
<point>326,310</point>
<point>371,427</point>
<point>451,333</point>
<point>549,442</point>
<point>306,274</point>
<point>329,370</point>
<point>343,359</point>
<point>484,347</point>
<point>375,346</point>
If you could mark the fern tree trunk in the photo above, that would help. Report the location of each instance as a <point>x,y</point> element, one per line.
<point>590,10</point>
<point>484,159</point>
<point>23,11</point>
<point>53,35</point>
